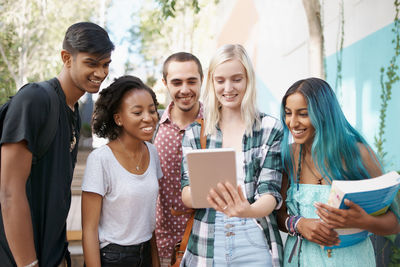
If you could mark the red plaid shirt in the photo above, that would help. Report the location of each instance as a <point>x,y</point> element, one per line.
<point>168,141</point>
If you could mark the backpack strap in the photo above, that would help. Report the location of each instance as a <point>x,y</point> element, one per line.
<point>48,132</point>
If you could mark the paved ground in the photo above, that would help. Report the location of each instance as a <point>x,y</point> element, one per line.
<point>74,216</point>
<point>79,171</point>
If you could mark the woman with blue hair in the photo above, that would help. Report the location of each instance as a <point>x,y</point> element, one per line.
<point>325,148</point>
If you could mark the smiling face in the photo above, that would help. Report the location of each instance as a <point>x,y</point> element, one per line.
<point>297,119</point>
<point>183,82</point>
<point>230,81</point>
<point>88,71</point>
<point>137,115</point>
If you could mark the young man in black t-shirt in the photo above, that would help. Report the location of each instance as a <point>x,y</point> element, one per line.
<point>35,198</point>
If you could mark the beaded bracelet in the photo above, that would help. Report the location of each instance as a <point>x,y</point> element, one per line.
<point>291,224</point>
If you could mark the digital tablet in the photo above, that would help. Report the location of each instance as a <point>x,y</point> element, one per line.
<point>208,167</point>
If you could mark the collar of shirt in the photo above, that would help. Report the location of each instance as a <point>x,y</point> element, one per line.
<point>166,117</point>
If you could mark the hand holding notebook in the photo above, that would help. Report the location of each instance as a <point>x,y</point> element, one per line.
<point>371,196</point>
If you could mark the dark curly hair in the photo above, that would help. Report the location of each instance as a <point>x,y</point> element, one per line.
<point>109,102</point>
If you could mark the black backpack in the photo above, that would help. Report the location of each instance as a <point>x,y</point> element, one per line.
<point>48,132</point>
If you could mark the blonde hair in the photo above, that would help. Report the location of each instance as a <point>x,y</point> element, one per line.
<point>249,110</point>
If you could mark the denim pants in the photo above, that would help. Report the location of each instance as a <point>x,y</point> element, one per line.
<point>239,242</point>
<point>114,255</point>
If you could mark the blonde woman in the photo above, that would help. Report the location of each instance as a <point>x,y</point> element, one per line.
<point>239,229</point>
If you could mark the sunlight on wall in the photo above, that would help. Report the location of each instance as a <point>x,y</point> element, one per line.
<point>360,95</point>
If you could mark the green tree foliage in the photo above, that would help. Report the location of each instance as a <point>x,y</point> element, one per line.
<point>168,7</point>
<point>167,26</point>
<point>6,81</point>
<point>31,34</point>
<point>388,77</point>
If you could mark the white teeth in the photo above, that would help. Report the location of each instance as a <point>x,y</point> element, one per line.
<point>229,96</point>
<point>94,81</point>
<point>298,131</point>
<point>186,98</point>
<point>148,129</point>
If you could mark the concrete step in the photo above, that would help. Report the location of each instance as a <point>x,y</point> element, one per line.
<point>76,190</point>
<point>75,248</point>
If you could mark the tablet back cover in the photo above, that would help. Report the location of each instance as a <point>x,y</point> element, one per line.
<point>208,167</point>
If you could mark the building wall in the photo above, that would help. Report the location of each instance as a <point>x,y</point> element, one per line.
<point>360,92</point>
<point>275,33</point>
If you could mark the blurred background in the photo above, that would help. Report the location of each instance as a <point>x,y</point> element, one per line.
<point>353,44</point>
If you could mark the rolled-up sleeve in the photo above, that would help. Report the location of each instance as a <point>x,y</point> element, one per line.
<point>270,177</point>
<point>189,143</point>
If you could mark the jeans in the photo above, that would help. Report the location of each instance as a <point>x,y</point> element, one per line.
<point>239,242</point>
<point>114,255</point>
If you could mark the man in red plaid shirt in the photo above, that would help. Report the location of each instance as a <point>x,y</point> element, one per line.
<point>182,75</point>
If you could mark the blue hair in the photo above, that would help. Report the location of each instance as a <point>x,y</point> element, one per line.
<point>335,148</point>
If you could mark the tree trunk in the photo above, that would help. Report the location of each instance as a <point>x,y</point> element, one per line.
<point>316,43</point>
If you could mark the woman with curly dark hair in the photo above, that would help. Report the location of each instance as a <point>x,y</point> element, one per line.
<point>120,185</point>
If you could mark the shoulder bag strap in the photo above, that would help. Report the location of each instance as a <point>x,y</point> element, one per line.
<point>48,132</point>
<point>203,138</point>
<point>186,234</point>
<point>189,225</point>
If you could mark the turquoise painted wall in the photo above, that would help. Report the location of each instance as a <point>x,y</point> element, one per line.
<point>360,93</point>
<point>266,101</point>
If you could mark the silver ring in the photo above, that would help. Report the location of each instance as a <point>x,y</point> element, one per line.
<point>224,208</point>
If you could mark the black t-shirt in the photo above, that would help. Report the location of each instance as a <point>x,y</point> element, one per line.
<point>49,184</point>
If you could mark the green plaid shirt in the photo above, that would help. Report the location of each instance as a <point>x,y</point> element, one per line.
<point>263,175</point>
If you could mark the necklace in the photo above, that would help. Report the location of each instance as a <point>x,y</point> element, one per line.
<point>313,173</point>
<point>329,251</point>
<point>131,157</point>
<point>72,122</point>
<point>72,143</point>
<point>319,179</point>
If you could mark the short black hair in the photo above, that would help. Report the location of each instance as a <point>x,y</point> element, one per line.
<point>181,57</point>
<point>87,37</point>
<point>109,102</point>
